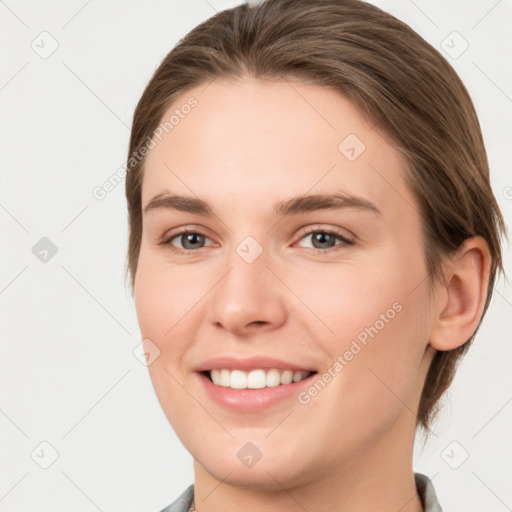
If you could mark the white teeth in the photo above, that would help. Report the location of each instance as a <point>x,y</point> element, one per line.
<point>224,378</point>
<point>287,377</point>
<point>299,376</point>
<point>215,375</point>
<point>255,379</point>
<point>238,379</point>
<point>273,378</point>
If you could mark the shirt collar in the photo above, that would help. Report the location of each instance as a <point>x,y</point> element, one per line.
<point>427,493</point>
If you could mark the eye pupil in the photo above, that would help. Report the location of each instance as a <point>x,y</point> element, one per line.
<point>191,238</point>
<point>322,238</point>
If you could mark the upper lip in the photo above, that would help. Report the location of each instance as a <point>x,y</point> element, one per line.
<point>249,363</point>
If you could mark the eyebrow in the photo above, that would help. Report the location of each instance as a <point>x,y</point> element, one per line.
<point>293,206</point>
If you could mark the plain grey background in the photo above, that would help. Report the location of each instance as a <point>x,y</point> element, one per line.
<point>81,427</point>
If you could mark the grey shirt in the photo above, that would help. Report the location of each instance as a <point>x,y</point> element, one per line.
<point>423,485</point>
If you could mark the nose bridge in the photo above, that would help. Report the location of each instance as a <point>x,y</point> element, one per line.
<point>248,293</point>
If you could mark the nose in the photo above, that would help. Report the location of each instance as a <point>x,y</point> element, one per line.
<point>248,298</point>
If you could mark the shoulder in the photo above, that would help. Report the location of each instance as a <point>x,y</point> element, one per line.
<point>427,493</point>
<point>182,504</point>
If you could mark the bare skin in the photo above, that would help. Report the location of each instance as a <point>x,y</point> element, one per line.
<point>246,146</point>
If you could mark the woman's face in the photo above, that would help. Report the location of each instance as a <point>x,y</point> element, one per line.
<point>275,278</point>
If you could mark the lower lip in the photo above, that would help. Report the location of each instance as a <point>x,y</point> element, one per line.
<point>252,400</point>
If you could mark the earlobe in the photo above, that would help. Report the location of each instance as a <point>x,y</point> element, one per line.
<point>461,302</point>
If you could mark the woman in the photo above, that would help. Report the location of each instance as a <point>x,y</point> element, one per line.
<point>313,245</point>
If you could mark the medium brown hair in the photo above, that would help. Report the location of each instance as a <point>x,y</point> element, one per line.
<point>395,78</point>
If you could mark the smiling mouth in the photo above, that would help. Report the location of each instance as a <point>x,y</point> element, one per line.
<point>255,379</point>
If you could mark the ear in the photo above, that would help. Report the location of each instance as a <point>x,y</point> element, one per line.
<point>461,299</point>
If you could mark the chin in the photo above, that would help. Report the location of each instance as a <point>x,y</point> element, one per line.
<point>262,477</point>
<point>273,471</point>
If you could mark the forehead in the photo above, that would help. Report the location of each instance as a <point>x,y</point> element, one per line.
<point>256,140</point>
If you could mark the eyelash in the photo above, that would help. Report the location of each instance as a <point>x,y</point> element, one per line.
<point>345,241</point>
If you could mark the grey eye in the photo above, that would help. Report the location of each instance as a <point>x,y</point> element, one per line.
<point>192,240</point>
<point>323,240</point>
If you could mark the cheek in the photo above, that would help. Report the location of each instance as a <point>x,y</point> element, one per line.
<point>378,318</point>
<point>163,295</point>
<point>161,301</point>
<point>161,304</point>
<point>348,299</point>
<point>386,343</point>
